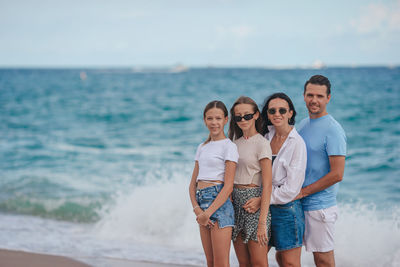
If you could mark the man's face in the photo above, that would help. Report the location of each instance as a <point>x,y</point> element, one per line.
<point>316,99</point>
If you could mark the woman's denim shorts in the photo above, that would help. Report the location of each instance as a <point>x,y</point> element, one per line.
<point>287,225</point>
<point>225,214</point>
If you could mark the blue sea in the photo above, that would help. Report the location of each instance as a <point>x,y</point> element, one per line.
<point>96,163</point>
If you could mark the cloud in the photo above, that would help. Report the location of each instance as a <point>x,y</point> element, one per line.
<point>377,18</point>
<point>238,32</point>
<point>232,38</point>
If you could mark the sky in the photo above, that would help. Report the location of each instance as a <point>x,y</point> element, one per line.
<point>132,33</point>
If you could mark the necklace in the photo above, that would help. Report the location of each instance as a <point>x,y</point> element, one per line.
<point>248,136</point>
<point>283,135</point>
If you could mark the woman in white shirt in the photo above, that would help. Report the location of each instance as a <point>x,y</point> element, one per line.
<point>212,184</point>
<point>288,171</point>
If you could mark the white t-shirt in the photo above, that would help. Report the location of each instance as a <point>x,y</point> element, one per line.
<point>212,156</point>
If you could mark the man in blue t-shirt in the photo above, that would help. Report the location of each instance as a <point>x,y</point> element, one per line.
<point>326,150</point>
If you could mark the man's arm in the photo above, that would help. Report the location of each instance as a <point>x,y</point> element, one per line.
<point>331,178</point>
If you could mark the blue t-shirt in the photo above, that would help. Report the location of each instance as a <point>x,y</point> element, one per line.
<point>324,137</point>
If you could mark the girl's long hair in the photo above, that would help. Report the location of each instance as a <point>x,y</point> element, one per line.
<point>214,104</point>
<point>234,130</point>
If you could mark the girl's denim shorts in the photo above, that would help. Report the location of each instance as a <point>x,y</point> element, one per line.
<point>225,214</point>
<point>287,225</point>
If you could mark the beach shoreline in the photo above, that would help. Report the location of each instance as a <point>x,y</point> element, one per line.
<point>16,258</point>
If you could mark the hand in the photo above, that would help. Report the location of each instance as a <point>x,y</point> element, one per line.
<point>252,205</point>
<point>262,236</point>
<point>204,219</point>
<point>300,195</point>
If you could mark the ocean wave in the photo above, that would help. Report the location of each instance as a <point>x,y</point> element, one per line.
<point>42,196</point>
<point>158,216</point>
<point>177,119</point>
<point>381,167</point>
<point>152,213</point>
<point>73,210</point>
<point>160,213</point>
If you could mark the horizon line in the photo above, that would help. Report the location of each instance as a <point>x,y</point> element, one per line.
<point>180,66</point>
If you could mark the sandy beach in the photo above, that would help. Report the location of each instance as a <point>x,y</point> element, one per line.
<point>10,258</point>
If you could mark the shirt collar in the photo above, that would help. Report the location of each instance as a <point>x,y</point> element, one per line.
<point>271,132</point>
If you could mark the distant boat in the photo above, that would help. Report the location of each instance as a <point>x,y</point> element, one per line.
<point>179,68</point>
<point>318,64</point>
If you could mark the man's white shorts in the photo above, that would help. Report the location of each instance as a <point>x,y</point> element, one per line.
<point>320,229</point>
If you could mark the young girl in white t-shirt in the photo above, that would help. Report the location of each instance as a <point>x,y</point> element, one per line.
<point>212,184</point>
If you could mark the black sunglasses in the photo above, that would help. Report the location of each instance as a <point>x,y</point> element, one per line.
<point>246,117</point>
<point>272,111</point>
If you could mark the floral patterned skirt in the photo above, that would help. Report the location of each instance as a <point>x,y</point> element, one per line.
<point>246,223</point>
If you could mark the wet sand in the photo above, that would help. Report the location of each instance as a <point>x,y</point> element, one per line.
<point>10,258</point>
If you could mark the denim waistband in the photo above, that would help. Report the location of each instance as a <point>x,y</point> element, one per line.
<point>214,188</point>
<point>289,204</point>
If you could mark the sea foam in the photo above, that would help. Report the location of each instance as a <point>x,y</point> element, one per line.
<point>160,213</point>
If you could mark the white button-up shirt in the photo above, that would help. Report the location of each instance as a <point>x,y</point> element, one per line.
<point>289,167</point>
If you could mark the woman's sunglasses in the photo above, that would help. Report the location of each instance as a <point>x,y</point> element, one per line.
<point>246,117</point>
<point>272,111</point>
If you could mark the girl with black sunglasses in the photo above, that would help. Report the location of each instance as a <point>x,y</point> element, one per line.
<point>252,179</point>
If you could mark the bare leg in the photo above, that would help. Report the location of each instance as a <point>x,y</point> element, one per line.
<point>242,252</point>
<point>324,259</point>
<point>205,235</point>
<point>289,258</point>
<point>278,257</point>
<point>258,254</point>
<point>221,244</point>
